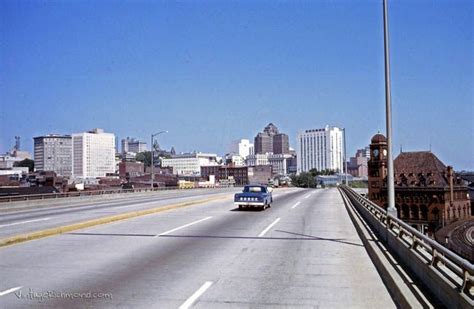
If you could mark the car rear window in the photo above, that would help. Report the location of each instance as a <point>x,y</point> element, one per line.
<point>253,189</point>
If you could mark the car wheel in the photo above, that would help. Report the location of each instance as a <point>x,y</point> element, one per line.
<point>240,207</point>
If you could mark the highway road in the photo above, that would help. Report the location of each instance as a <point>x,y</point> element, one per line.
<point>302,252</point>
<point>74,209</point>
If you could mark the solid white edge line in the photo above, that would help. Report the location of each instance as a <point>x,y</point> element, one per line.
<point>23,222</point>
<point>268,227</point>
<point>189,302</point>
<point>296,205</point>
<point>10,291</point>
<point>183,226</point>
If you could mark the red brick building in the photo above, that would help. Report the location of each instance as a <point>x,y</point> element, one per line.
<point>131,169</point>
<point>242,175</point>
<point>428,195</point>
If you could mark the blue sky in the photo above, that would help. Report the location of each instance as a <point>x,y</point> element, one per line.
<point>214,71</point>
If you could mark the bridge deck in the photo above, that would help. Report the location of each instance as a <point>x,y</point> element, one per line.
<point>302,252</point>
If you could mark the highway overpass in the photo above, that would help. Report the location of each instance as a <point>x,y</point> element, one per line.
<point>193,248</point>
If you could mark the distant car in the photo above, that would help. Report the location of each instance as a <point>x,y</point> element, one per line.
<point>128,186</point>
<point>254,196</point>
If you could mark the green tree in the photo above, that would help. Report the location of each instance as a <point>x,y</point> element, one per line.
<point>144,157</point>
<point>327,172</point>
<point>30,164</point>
<point>304,180</point>
<point>314,172</point>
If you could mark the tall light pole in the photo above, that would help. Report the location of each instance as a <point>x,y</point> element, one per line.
<point>152,152</point>
<point>345,156</point>
<point>391,210</point>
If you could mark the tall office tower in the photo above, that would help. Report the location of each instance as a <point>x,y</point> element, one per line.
<point>320,149</point>
<point>53,153</point>
<point>93,154</point>
<point>133,145</point>
<point>263,143</point>
<point>281,144</point>
<point>271,141</point>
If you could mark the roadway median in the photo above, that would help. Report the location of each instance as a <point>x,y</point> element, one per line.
<point>104,220</point>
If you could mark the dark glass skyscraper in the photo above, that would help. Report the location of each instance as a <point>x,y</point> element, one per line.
<point>271,140</point>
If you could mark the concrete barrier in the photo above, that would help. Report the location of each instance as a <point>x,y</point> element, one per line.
<point>447,276</point>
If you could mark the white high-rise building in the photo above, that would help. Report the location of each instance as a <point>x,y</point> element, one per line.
<point>320,149</point>
<point>189,163</point>
<point>53,153</point>
<point>93,154</point>
<point>243,148</point>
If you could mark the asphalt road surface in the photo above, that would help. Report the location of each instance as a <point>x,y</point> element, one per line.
<point>303,252</point>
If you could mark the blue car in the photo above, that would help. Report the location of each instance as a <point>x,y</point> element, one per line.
<point>255,196</point>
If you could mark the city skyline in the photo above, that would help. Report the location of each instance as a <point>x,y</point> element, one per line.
<point>215,72</point>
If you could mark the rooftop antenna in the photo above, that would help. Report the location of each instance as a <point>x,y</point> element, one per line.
<point>401,148</point>
<point>17,143</point>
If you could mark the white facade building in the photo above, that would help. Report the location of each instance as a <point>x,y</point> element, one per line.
<point>17,171</point>
<point>243,148</point>
<point>7,161</point>
<point>280,163</point>
<point>93,154</point>
<point>320,149</point>
<point>53,153</point>
<point>189,163</point>
<point>257,159</point>
<point>235,160</point>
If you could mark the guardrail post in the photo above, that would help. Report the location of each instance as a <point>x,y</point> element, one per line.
<point>467,283</point>
<point>434,258</point>
<point>414,242</point>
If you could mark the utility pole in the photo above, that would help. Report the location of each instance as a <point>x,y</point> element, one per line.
<point>391,210</point>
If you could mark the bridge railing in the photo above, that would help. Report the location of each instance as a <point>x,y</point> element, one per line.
<point>449,276</point>
<point>13,198</point>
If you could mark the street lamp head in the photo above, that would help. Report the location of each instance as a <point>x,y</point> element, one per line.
<point>161,132</point>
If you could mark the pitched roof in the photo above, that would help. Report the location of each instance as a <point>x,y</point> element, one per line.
<point>415,167</point>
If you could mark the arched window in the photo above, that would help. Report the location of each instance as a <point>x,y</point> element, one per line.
<point>405,211</point>
<point>423,212</point>
<point>414,212</point>
<point>435,213</point>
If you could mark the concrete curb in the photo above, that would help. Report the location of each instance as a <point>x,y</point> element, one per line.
<point>104,220</point>
<point>397,285</point>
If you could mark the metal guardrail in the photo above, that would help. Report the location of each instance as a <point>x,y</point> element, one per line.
<point>13,198</point>
<point>448,264</point>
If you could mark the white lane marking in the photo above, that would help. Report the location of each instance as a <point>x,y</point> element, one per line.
<point>183,226</point>
<point>189,302</point>
<point>268,227</point>
<point>307,195</point>
<point>23,222</point>
<point>296,205</point>
<point>10,291</point>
